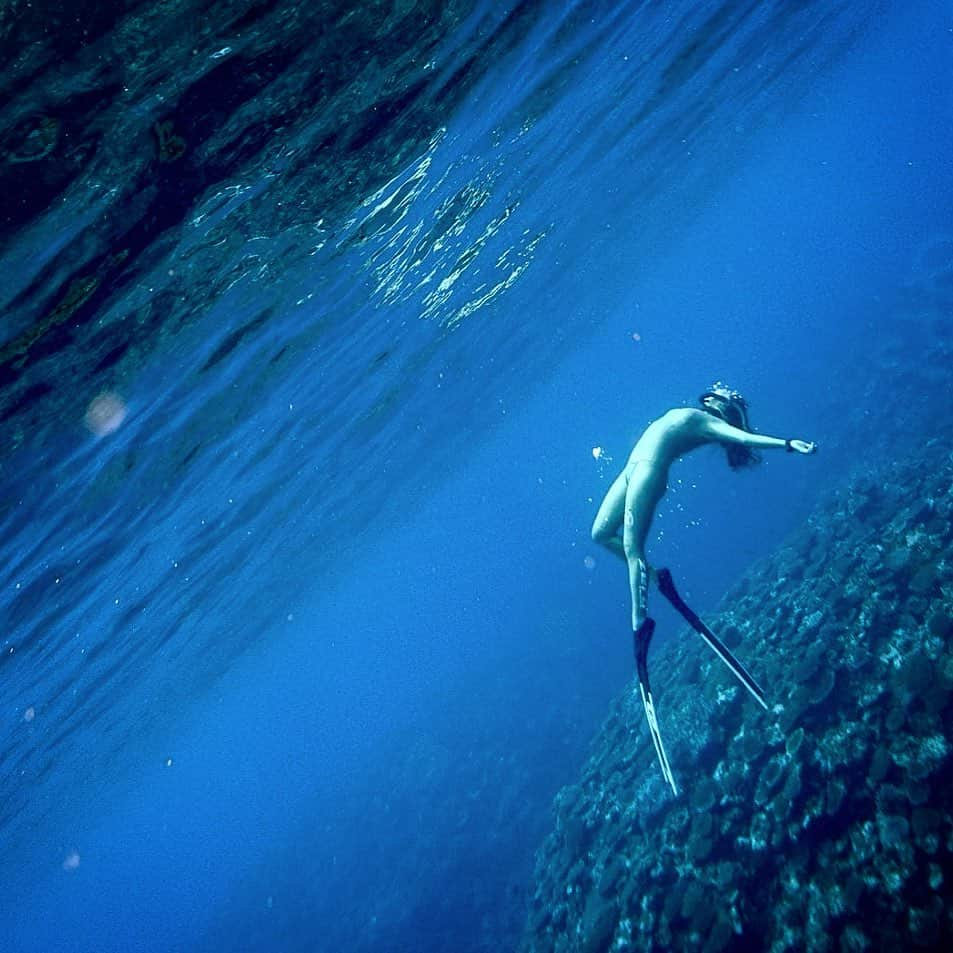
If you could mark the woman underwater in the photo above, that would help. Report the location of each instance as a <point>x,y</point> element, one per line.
<point>632,499</point>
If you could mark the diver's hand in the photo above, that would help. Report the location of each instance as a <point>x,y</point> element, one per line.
<point>801,446</point>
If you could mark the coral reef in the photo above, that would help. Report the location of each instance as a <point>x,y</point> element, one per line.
<point>824,824</point>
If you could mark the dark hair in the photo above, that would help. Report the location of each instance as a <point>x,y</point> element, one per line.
<point>733,409</point>
<point>740,456</point>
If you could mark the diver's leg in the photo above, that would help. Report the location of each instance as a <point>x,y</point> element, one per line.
<point>608,521</point>
<point>642,494</point>
<point>639,587</point>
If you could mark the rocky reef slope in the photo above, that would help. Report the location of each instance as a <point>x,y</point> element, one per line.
<point>822,824</point>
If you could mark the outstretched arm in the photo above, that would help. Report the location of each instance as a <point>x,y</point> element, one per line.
<point>724,433</point>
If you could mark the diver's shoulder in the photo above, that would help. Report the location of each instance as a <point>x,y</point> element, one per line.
<point>682,415</point>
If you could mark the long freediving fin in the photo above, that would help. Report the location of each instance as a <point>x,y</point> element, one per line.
<point>642,636</point>
<point>667,588</point>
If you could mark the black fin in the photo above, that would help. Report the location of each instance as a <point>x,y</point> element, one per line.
<point>667,588</point>
<point>641,638</point>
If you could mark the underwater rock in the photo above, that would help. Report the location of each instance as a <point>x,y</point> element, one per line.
<point>720,935</point>
<point>940,624</point>
<point>170,145</point>
<point>896,719</point>
<point>700,849</point>
<point>768,782</point>
<point>926,579</point>
<point>896,561</point>
<point>792,788</point>
<point>702,826</point>
<point>893,831</point>
<point>794,741</point>
<point>835,792</point>
<point>704,795</point>
<point>925,924</point>
<point>829,816</point>
<point>918,792</point>
<point>598,925</point>
<point>854,940</point>
<point>611,876</point>
<point>752,745</point>
<point>35,139</point>
<point>731,636</point>
<point>823,686</point>
<point>880,765</point>
<point>926,821</point>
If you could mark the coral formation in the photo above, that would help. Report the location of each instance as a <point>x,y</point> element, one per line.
<point>823,825</point>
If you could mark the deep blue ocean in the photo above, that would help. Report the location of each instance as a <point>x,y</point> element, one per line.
<point>311,324</point>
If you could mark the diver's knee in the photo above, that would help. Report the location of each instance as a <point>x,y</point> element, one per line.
<point>631,548</point>
<point>600,532</point>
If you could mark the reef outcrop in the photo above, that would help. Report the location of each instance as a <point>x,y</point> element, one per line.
<point>823,824</point>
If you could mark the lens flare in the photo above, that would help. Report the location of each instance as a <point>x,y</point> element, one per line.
<point>105,414</point>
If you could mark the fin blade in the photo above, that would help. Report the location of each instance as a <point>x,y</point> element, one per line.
<point>667,588</point>
<point>642,637</point>
<point>650,716</point>
<point>740,672</point>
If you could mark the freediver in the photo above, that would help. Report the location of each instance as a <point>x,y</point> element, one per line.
<point>631,502</point>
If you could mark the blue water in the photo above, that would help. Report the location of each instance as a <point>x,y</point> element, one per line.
<point>310,641</point>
